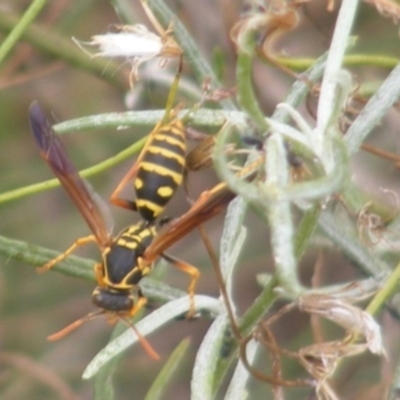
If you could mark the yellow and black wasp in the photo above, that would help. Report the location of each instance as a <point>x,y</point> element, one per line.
<point>122,264</point>
<point>129,256</point>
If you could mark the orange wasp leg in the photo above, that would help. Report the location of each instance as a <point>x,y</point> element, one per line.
<point>76,324</point>
<point>194,274</point>
<point>114,198</point>
<point>78,243</point>
<point>99,274</point>
<point>141,302</point>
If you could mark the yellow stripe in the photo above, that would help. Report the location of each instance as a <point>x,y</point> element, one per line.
<point>144,269</point>
<point>166,153</point>
<point>160,170</point>
<point>150,205</point>
<point>179,142</point>
<point>131,245</point>
<point>132,236</point>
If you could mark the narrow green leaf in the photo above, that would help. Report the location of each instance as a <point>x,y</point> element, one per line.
<point>162,380</point>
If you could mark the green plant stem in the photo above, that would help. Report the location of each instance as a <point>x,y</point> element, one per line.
<point>329,101</point>
<point>160,384</point>
<point>279,217</point>
<point>260,306</point>
<point>203,117</point>
<point>20,27</point>
<point>78,267</point>
<point>267,297</point>
<point>205,379</point>
<point>383,295</point>
<point>38,256</point>
<point>372,114</point>
<point>305,230</point>
<point>254,313</point>
<point>149,324</point>
<point>353,60</point>
<point>88,172</point>
<point>246,96</point>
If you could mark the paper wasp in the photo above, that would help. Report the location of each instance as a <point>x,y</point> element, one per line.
<point>129,256</point>
<point>122,265</point>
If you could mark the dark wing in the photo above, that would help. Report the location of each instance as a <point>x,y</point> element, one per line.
<point>55,155</point>
<point>209,204</point>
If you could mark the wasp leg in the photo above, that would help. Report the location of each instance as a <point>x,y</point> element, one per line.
<point>141,302</point>
<point>114,198</point>
<point>99,274</point>
<point>78,243</point>
<point>194,277</point>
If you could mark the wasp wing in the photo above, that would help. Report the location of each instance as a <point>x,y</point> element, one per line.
<point>55,155</point>
<point>209,204</point>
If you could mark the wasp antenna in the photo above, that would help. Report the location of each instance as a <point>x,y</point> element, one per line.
<point>143,341</point>
<point>76,324</point>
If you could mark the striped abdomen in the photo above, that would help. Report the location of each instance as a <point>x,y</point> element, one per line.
<point>160,171</point>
